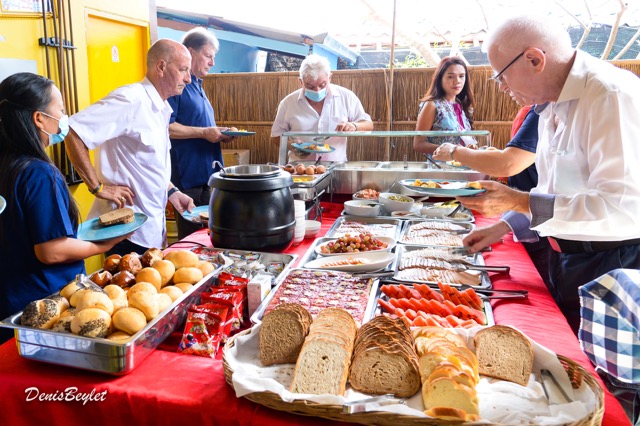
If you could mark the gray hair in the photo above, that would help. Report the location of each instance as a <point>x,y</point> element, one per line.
<point>198,37</point>
<point>521,32</point>
<point>313,66</point>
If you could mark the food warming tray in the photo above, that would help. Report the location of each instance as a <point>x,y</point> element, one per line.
<point>378,226</point>
<point>256,318</point>
<point>102,355</point>
<point>310,187</point>
<point>467,227</point>
<point>476,259</point>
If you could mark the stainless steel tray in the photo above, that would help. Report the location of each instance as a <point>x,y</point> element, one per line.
<point>467,226</point>
<point>488,309</point>
<point>380,226</point>
<point>103,355</point>
<point>476,259</point>
<point>256,318</point>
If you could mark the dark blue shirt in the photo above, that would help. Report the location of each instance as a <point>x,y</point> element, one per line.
<point>192,159</point>
<point>527,139</point>
<point>38,212</point>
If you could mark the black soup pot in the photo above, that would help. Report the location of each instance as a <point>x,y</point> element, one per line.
<point>251,208</point>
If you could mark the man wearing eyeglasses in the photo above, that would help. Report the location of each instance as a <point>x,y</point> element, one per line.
<point>587,201</point>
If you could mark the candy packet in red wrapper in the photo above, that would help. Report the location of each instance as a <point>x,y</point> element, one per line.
<point>202,334</point>
<point>232,299</point>
<point>221,309</point>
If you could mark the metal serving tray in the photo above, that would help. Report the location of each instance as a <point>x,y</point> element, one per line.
<point>476,259</point>
<point>468,226</point>
<point>309,187</point>
<point>102,355</point>
<point>381,227</point>
<point>256,318</point>
<point>488,309</point>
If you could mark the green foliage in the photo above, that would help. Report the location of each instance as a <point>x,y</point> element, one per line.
<point>411,61</point>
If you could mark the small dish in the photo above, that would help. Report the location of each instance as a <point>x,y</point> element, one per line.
<point>367,208</point>
<point>194,215</point>
<point>392,202</point>
<point>390,244</point>
<point>311,228</point>
<point>237,133</point>
<point>314,147</point>
<point>355,262</point>
<point>367,194</point>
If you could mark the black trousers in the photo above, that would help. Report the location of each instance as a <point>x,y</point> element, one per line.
<point>126,247</point>
<point>540,254</point>
<point>201,196</point>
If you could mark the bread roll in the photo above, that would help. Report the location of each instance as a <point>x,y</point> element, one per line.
<point>114,291</point>
<point>166,269</point>
<point>111,263</point>
<point>182,258</point>
<point>93,299</point>
<point>123,279</point>
<point>141,287</point>
<point>205,267</point>
<point>63,325</point>
<point>68,290</point>
<point>189,275</point>
<point>43,313</point>
<point>120,302</point>
<point>173,292</point>
<point>146,302</point>
<point>68,313</point>
<point>101,278</point>
<point>130,262</point>
<point>164,300</point>
<point>118,336</point>
<point>151,256</point>
<point>185,287</point>
<point>91,322</point>
<point>75,297</point>
<point>150,275</point>
<point>129,320</point>
<point>61,301</point>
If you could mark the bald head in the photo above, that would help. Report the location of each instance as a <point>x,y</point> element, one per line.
<point>168,67</point>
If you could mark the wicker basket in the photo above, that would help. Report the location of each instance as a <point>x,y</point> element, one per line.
<point>577,374</point>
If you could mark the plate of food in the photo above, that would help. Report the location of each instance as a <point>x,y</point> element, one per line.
<point>314,147</point>
<point>354,262</point>
<point>198,214</point>
<point>3,203</point>
<point>443,187</point>
<point>352,243</point>
<point>241,132</point>
<point>113,224</point>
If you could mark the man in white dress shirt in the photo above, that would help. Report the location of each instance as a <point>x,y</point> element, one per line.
<point>319,106</point>
<point>129,130</point>
<point>587,201</point>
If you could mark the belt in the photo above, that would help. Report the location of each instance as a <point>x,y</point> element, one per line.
<point>568,246</point>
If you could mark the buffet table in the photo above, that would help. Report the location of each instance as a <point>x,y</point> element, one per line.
<point>172,388</point>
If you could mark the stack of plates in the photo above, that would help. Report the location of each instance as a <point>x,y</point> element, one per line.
<point>300,212</point>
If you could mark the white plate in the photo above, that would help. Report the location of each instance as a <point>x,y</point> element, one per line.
<point>373,262</point>
<point>391,243</point>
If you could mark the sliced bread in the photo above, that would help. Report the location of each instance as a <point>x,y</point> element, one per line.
<point>282,334</point>
<point>114,217</point>
<point>323,364</point>
<point>504,353</point>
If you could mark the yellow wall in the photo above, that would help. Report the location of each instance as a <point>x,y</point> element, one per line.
<point>19,34</point>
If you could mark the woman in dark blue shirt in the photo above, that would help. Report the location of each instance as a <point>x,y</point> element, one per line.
<point>39,251</point>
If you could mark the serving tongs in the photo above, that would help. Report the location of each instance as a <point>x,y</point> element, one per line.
<point>362,405</point>
<point>432,161</point>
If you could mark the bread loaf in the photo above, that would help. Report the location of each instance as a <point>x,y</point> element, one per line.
<point>282,333</point>
<point>114,217</point>
<point>504,353</point>
<point>384,360</point>
<point>449,374</point>
<point>323,364</point>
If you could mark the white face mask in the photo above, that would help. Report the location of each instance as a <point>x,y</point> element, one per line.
<point>63,126</point>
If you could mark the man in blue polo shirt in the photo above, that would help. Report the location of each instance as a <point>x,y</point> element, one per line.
<point>195,138</point>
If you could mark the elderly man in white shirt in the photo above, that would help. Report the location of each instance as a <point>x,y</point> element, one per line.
<point>587,200</point>
<point>319,106</point>
<point>129,128</point>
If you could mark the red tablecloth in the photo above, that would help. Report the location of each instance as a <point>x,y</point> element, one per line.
<point>171,388</point>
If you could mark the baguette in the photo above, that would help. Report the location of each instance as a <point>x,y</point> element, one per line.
<point>115,217</point>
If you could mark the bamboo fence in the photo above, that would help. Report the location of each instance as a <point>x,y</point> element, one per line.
<point>250,101</point>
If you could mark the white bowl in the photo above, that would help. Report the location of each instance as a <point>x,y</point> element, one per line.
<point>402,202</point>
<point>368,208</point>
<point>436,211</point>
<point>370,192</point>
<point>312,227</point>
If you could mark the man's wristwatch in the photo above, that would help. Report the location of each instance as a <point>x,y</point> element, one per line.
<point>452,150</point>
<point>172,191</point>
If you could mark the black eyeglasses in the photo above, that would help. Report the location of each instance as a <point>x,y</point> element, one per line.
<point>497,77</point>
